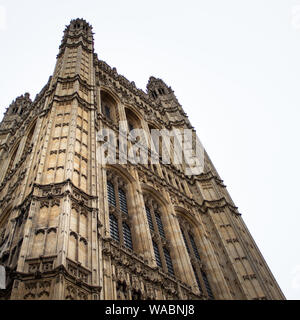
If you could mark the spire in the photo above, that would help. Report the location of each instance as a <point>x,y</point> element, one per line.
<point>78,31</point>
<point>159,91</point>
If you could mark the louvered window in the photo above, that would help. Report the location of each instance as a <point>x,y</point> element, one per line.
<point>149,218</point>
<point>197,279</point>
<point>114,229</point>
<point>111,194</point>
<point>207,285</point>
<point>159,225</point>
<point>194,247</point>
<point>168,261</point>
<point>123,201</point>
<point>157,255</point>
<point>185,241</point>
<point>127,236</point>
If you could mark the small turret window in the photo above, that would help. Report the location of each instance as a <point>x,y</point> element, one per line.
<point>154,94</point>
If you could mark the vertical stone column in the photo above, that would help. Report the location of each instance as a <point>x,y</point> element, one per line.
<point>181,259</point>
<point>140,223</point>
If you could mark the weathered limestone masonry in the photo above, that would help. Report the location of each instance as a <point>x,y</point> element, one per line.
<point>72,228</point>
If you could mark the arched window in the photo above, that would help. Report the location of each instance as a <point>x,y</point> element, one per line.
<point>193,251</point>
<point>108,106</point>
<point>120,225</point>
<point>132,120</point>
<point>161,91</point>
<point>161,251</point>
<point>154,94</point>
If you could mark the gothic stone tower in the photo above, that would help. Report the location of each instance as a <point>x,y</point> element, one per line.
<point>74,228</point>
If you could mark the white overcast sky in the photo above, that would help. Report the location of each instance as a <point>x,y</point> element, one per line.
<point>235,68</point>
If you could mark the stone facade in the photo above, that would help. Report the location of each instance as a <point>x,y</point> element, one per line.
<point>73,228</point>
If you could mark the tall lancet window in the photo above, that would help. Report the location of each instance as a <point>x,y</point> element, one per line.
<point>193,252</point>
<point>161,250</point>
<point>119,215</point>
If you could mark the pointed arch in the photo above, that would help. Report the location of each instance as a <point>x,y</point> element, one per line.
<point>155,194</point>
<point>156,211</point>
<point>121,171</point>
<point>109,104</point>
<point>136,113</point>
<point>119,199</point>
<point>134,119</point>
<point>190,233</point>
<point>12,156</point>
<point>185,214</point>
<point>29,136</point>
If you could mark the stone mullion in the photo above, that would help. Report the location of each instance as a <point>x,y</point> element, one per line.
<point>143,243</point>
<point>118,211</point>
<point>177,244</point>
<point>158,239</point>
<point>191,255</point>
<point>152,232</point>
<point>193,261</point>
